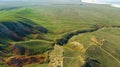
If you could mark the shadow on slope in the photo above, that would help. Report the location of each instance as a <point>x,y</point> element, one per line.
<point>16,31</point>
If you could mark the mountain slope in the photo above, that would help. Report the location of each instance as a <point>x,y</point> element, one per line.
<point>70,35</point>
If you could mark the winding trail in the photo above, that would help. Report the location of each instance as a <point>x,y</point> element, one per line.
<point>108,53</point>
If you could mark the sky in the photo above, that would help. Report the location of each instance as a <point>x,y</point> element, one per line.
<point>103,1</point>
<point>46,0</point>
<point>113,3</point>
<point>89,1</point>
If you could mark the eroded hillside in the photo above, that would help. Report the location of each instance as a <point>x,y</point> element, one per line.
<point>57,35</point>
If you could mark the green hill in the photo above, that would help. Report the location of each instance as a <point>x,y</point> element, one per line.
<point>69,35</point>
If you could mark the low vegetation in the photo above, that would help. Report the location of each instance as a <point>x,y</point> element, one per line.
<point>70,35</point>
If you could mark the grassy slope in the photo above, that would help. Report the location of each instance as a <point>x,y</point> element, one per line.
<point>61,19</point>
<point>108,51</point>
<point>36,46</point>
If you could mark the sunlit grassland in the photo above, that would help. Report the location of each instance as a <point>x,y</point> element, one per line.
<point>62,19</point>
<point>104,53</point>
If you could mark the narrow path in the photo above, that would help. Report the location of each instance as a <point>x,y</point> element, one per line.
<point>108,53</point>
<point>105,52</point>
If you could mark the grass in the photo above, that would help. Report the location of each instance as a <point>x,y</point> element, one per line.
<point>36,65</point>
<point>4,66</point>
<point>103,57</point>
<point>60,20</point>
<point>109,49</point>
<point>36,46</point>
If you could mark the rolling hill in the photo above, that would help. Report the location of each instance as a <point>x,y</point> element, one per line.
<point>60,35</point>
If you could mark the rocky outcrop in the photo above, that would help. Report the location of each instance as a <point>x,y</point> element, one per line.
<point>20,61</point>
<point>19,50</point>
